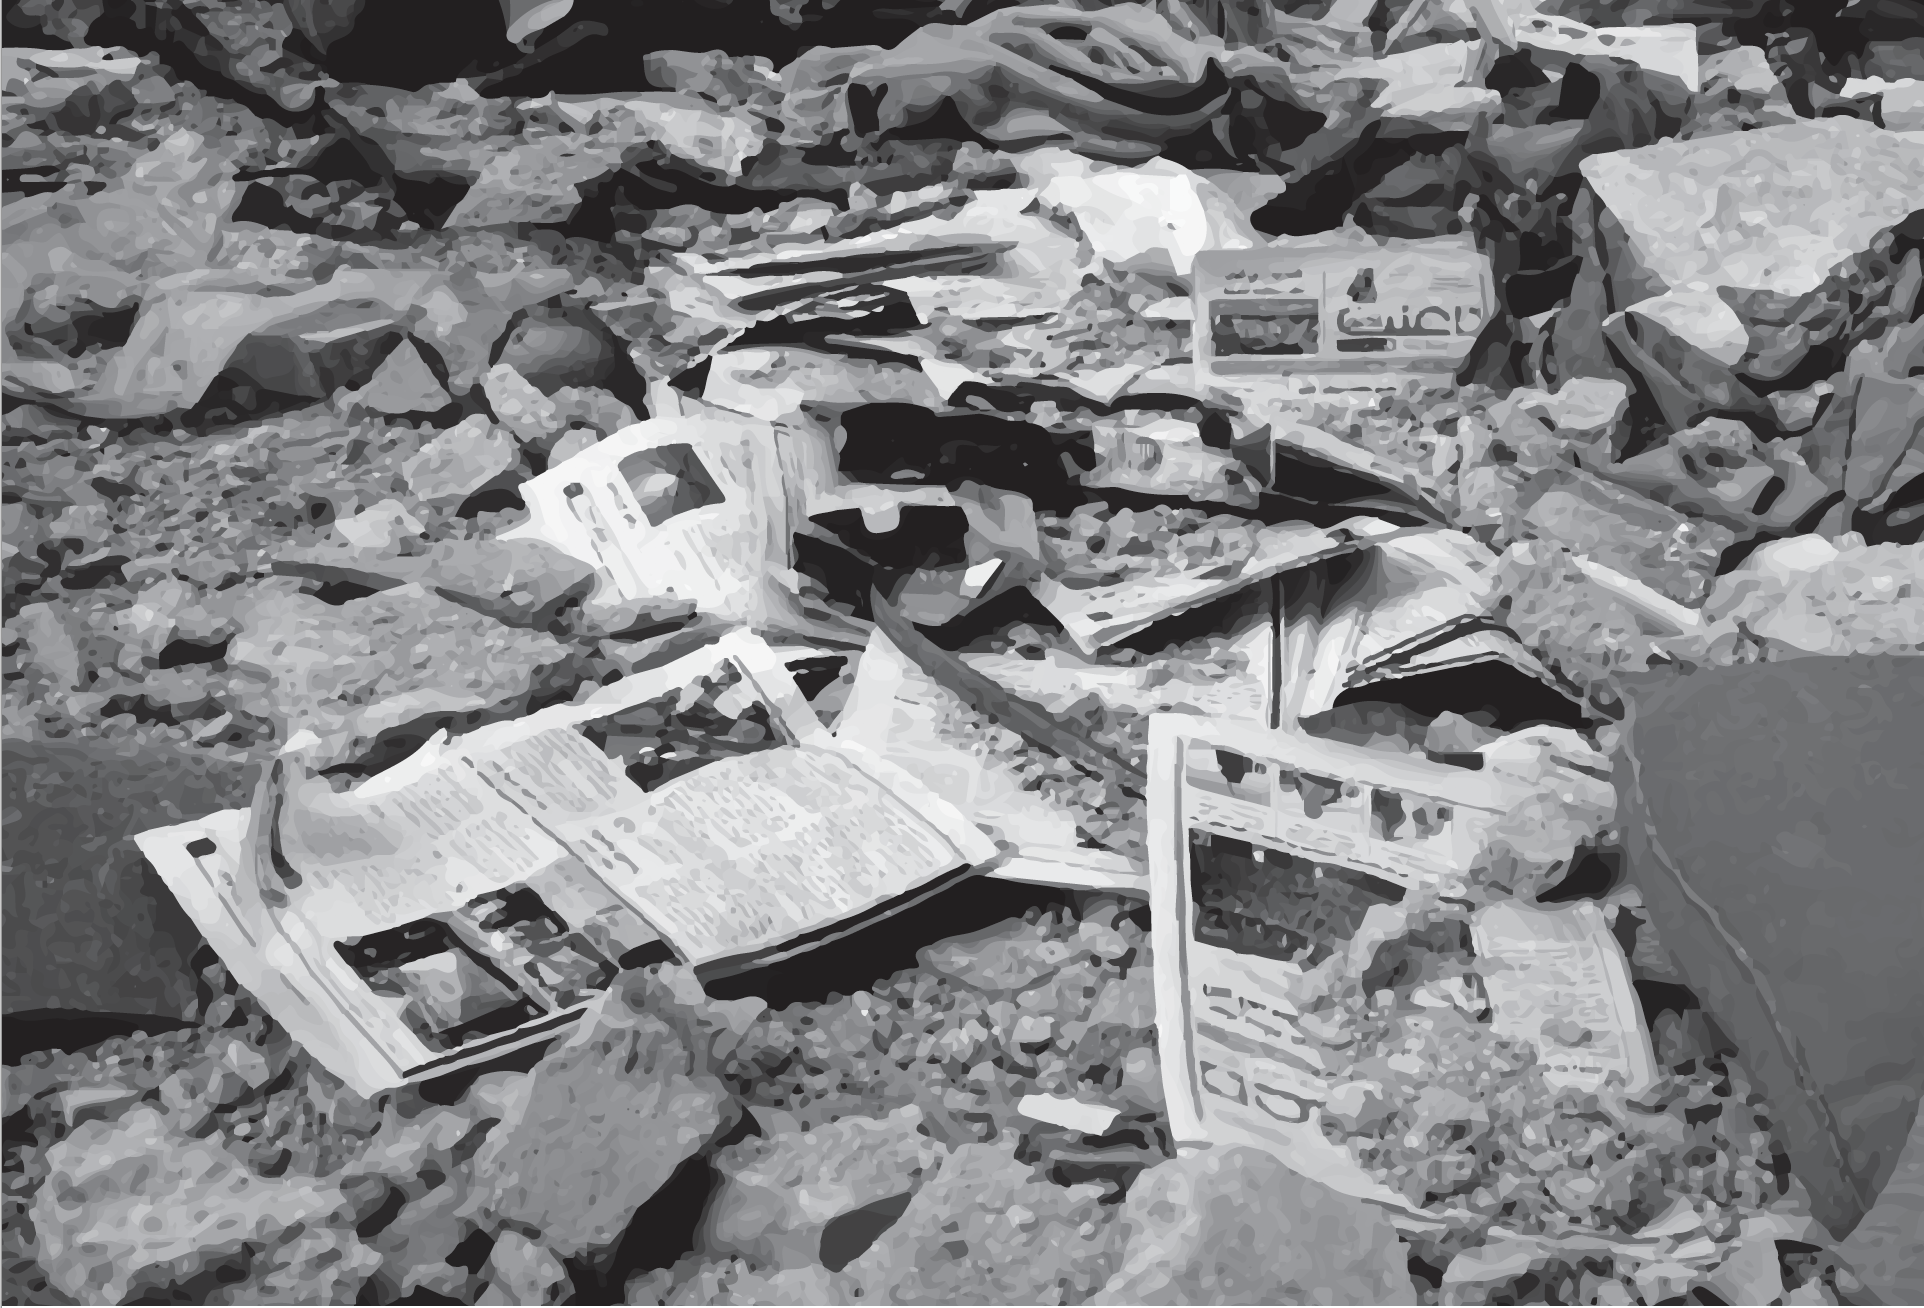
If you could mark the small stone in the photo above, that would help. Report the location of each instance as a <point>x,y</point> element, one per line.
<point>1001,961</point>
<point>404,383</point>
<point>461,461</point>
<point>1237,1226</point>
<point>521,407</point>
<point>576,441</point>
<point>592,407</point>
<point>384,526</point>
<point>1033,1031</point>
<point>1797,411</point>
<point>52,645</point>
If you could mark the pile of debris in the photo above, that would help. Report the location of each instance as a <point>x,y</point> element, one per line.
<point>1189,495</point>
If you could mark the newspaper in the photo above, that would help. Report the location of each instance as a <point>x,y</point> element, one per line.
<point>474,898</point>
<point>692,508</point>
<point>1154,454</point>
<point>1309,318</point>
<point>1421,602</point>
<point>1097,618</point>
<point>900,713</point>
<point>1268,850</point>
<point>1557,980</point>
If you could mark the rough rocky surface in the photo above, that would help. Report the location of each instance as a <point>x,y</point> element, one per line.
<point>1237,1226</point>
<point>602,1123</point>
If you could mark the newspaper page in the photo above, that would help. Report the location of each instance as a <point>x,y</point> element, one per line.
<point>1557,980</point>
<point>1098,616</point>
<point>696,812</point>
<point>1269,851</point>
<point>899,712</point>
<point>1154,454</point>
<point>684,508</point>
<point>1308,318</point>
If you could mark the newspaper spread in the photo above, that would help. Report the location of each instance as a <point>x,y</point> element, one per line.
<point>1308,318</point>
<point>1268,850</point>
<point>1557,979</point>
<point>1099,617</point>
<point>688,508</point>
<point>897,711</point>
<point>475,897</point>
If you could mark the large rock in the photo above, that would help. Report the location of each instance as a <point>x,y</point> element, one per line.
<point>985,1229</point>
<point>1236,1226</point>
<point>608,1117</point>
<point>88,925</point>
<point>403,383</point>
<point>135,1204</point>
<point>469,456</point>
<point>1774,210</point>
<point>353,672</point>
<point>778,1194</point>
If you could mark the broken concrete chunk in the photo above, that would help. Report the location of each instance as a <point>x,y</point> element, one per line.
<point>779,1194</point>
<point>460,461</point>
<point>353,671</point>
<point>1775,209</point>
<point>521,407</point>
<point>448,130</point>
<point>984,1226</point>
<point>1237,1226</point>
<point>592,408</point>
<point>1001,961</point>
<point>245,39</point>
<point>1655,544</point>
<point>522,1271</point>
<point>134,1203</point>
<point>1797,411</point>
<point>1806,595</point>
<point>561,348</point>
<point>52,644</point>
<point>384,526</point>
<point>609,1115</point>
<point>404,383</point>
<point>536,181</point>
<point>1719,469</point>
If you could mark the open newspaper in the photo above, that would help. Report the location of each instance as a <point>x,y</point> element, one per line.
<point>1268,852</point>
<point>475,897</point>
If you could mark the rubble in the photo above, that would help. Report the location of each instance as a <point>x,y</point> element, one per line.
<point>650,1094</point>
<point>1232,1225</point>
<point>1037,387</point>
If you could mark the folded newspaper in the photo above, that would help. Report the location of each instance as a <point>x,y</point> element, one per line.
<point>698,507</point>
<point>475,897</point>
<point>901,713</point>
<point>1109,597</point>
<point>1309,318</point>
<point>1269,851</point>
